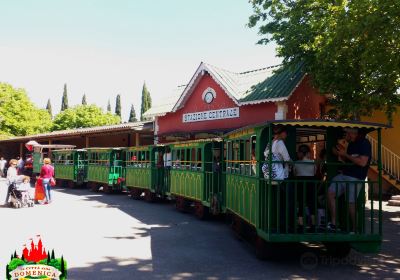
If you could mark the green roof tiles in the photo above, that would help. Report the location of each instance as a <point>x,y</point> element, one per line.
<point>279,86</point>
<point>270,84</point>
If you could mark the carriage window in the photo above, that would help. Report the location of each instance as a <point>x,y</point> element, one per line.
<point>235,158</point>
<point>229,157</point>
<point>247,158</point>
<point>199,160</point>
<point>253,161</point>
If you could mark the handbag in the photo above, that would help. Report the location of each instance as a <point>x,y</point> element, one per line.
<point>52,181</point>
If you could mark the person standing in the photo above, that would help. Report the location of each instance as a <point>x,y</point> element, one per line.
<point>20,165</point>
<point>280,168</point>
<point>46,173</point>
<point>358,154</point>
<point>12,177</point>
<point>3,163</point>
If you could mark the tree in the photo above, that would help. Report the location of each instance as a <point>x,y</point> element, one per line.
<point>64,101</point>
<point>132,114</point>
<point>83,116</point>
<point>351,49</point>
<point>108,106</point>
<point>18,115</point>
<point>52,255</point>
<point>146,101</point>
<point>84,99</point>
<point>118,106</point>
<point>48,108</point>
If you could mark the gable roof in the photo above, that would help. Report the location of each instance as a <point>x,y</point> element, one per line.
<point>269,84</point>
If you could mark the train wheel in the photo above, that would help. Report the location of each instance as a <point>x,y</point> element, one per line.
<point>71,184</point>
<point>237,225</point>
<point>266,250</point>
<point>135,193</point>
<point>107,189</point>
<point>93,187</point>
<point>180,204</point>
<point>149,196</point>
<point>201,211</point>
<point>338,249</point>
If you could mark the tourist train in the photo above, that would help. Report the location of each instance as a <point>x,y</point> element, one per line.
<point>226,176</point>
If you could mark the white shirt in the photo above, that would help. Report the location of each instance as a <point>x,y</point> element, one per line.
<point>167,160</point>
<point>280,152</point>
<point>12,175</point>
<point>3,164</point>
<point>304,168</point>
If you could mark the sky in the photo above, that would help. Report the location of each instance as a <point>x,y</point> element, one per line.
<point>102,48</point>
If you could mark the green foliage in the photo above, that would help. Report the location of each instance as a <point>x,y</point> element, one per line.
<point>108,106</point>
<point>84,102</point>
<point>146,101</point>
<point>118,106</point>
<point>48,108</point>
<point>351,49</point>
<point>14,263</point>
<point>18,115</point>
<point>64,101</point>
<point>83,116</point>
<point>132,114</point>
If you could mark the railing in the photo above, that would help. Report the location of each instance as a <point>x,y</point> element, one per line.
<point>390,160</point>
<point>283,202</point>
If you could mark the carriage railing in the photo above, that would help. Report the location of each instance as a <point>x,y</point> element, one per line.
<point>284,201</point>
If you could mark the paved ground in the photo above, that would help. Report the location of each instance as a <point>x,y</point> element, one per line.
<point>114,237</point>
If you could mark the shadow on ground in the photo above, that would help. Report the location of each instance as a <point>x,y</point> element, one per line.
<point>183,247</point>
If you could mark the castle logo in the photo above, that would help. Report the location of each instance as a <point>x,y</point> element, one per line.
<point>35,263</point>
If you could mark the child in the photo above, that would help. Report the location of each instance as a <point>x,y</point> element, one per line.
<point>305,171</point>
<point>25,185</point>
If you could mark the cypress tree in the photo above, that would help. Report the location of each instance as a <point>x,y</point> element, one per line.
<point>118,106</point>
<point>62,268</point>
<point>15,254</point>
<point>48,257</point>
<point>146,101</point>
<point>108,106</point>
<point>48,108</point>
<point>132,115</point>
<point>52,254</point>
<point>8,272</point>
<point>64,101</point>
<point>84,99</point>
<point>12,256</point>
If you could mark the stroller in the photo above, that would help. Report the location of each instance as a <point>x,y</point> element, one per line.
<point>20,197</point>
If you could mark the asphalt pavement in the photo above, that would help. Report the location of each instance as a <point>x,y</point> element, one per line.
<point>114,237</point>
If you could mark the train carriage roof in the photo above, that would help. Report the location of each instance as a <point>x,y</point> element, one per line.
<point>315,123</point>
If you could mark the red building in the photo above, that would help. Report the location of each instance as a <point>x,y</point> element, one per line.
<point>216,101</point>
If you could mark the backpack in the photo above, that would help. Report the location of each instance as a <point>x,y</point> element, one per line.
<point>276,168</point>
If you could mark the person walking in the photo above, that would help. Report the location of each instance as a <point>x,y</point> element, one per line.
<point>12,177</point>
<point>3,163</point>
<point>46,174</point>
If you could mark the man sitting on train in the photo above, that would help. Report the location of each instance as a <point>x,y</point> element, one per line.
<point>358,154</point>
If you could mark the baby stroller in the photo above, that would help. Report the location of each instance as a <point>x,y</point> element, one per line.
<point>20,197</point>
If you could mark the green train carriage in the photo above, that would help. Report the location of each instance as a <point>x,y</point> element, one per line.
<point>271,207</point>
<point>106,169</point>
<point>145,172</point>
<point>196,175</point>
<point>70,166</point>
<point>42,151</point>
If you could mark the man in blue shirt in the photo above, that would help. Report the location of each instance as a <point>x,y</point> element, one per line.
<point>358,154</point>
